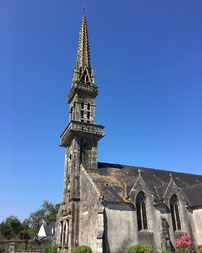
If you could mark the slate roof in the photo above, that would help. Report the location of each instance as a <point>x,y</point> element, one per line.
<point>49,229</point>
<point>114,180</point>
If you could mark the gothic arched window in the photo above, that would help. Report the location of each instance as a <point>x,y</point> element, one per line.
<point>141,211</point>
<point>175,213</point>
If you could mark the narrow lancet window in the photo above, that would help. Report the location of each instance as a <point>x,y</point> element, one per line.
<point>61,231</point>
<point>64,234</point>
<point>71,113</point>
<point>141,211</point>
<point>174,209</point>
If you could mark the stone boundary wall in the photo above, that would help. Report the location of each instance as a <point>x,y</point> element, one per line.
<point>30,246</point>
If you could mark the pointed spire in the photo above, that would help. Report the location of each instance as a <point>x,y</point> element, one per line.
<point>83,54</point>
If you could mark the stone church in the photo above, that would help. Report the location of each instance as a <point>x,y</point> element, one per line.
<point>111,207</point>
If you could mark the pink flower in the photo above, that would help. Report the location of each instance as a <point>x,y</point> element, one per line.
<point>184,242</point>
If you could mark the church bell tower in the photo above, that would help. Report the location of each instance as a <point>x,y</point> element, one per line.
<point>80,140</point>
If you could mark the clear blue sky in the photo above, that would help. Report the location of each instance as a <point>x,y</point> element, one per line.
<point>147,56</point>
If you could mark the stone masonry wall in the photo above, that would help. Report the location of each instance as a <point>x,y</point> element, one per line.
<point>91,215</point>
<point>120,228</point>
<point>28,245</point>
<point>197,216</point>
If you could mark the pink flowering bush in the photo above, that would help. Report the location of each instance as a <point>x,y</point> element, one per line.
<point>184,242</point>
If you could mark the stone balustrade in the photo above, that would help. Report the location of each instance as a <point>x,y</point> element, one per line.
<point>84,128</point>
<point>80,87</point>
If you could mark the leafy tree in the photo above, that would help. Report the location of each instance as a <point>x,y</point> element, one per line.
<point>51,216</point>
<point>11,227</point>
<point>47,213</point>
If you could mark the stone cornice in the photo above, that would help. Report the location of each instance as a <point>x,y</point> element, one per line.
<point>90,90</point>
<point>81,128</point>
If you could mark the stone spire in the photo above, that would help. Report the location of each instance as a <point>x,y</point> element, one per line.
<point>82,71</point>
<point>83,54</point>
<point>80,139</point>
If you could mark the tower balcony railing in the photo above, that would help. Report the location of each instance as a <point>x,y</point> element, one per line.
<point>82,88</point>
<point>88,87</point>
<point>83,128</point>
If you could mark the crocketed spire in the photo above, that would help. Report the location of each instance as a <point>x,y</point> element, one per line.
<point>82,71</point>
<point>83,54</point>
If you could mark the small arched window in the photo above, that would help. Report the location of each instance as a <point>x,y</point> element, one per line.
<point>174,209</point>
<point>141,211</point>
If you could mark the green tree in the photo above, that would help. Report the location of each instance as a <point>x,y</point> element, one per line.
<point>51,212</point>
<point>11,227</point>
<point>47,213</point>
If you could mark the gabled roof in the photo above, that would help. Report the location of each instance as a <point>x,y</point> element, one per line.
<point>115,181</point>
<point>46,231</point>
<point>194,194</point>
<point>49,229</point>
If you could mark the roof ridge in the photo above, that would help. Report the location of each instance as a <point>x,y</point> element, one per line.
<point>164,170</point>
<point>188,186</point>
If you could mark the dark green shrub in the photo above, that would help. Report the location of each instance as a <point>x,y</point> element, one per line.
<point>50,249</point>
<point>199,248</point>
<point>140,249</point>
<point>164,251</point>
<point>182,251</point>
<point>47,249</point>
<point>83,249</point>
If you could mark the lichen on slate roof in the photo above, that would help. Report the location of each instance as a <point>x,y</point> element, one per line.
<point>114,182</point>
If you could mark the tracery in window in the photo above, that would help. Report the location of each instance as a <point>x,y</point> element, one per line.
<point>141,211</point>
<point>174,209</point>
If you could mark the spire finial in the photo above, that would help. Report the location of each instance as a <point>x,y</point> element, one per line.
<point>84,9</point>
